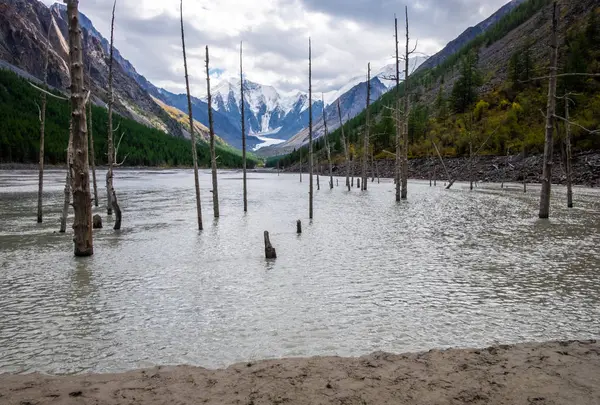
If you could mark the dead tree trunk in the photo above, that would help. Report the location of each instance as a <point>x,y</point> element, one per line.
<point>569,153</point>
<point>365,156</point>
<point>242,108</point>
<point>550,111</point>
<point>398,160</point>
<point>92,155</point>
<point>213,156</point>
<point>43,130</point>
<point>327,146</point>
<point>471,167</point>
<point>442,160</point>
<point>269,249</point>
<point>343,139</point>
<point>404,179</point>
<point>310,134</point>
<point>318,183</point>
<point>192,134</point>
<point>113,203</point>
<point>80,176</point>
<point>352,170</point>
<point>300,165</point>
<point>67,189</point>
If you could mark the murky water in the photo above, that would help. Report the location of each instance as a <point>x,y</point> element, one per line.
<point>447,268</point>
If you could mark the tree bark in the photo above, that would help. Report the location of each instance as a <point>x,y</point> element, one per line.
<point>79,171</point>
<point>550,111</point>
<point>310,134</point>
<point>398,156</point>
<point>404,179</point>
<point>67,189</point>
<point>365,156</point>
<point>569,153</point>
<point>112,195</point>
<point>191,118</point>
<point>343,139</point>
<point>43,130</point>
<point>213,156</point>
<point>242,108</point>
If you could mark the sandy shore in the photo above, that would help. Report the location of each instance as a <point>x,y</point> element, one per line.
<point>540,373</point>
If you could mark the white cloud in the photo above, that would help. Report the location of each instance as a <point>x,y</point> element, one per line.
<point>346,34</point>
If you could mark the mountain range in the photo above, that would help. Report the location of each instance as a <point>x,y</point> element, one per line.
<point>24,26</point>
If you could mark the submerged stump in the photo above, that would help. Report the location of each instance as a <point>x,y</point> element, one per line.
<point>269,249</point>
<point>298,226</point>
<point>97,223</point>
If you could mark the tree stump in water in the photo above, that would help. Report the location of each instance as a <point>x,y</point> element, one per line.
<point>269,249</point>
<point>97,224</point>
<point>298,226</point>
<point>357,183</point>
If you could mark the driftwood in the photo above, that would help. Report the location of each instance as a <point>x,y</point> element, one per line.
<point>269,249</point>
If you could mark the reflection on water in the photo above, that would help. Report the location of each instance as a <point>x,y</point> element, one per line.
<point>446,268</point>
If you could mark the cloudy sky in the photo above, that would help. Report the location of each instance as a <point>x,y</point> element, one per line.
<point>346,34</point>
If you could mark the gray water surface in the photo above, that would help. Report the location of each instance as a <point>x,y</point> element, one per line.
<point>446,268</point>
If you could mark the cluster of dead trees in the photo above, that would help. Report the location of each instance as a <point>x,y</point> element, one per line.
<point>401,111</point>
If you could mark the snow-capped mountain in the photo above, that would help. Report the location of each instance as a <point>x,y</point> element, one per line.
<point>266,110</point>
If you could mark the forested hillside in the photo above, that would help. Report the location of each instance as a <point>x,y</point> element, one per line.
<point>143,146</point>
<point>486,96</point>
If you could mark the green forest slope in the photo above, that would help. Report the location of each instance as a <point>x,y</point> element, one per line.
<point>485,94</point>
<point>143,146</point>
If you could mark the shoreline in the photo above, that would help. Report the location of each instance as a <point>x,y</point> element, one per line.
<point>565,372</point>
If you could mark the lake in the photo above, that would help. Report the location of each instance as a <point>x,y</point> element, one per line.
<point>448,268</point>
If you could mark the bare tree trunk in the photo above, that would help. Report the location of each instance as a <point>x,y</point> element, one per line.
<point>318,170</point>
<point>192,134</point>
<point>43,129</point>
<point>569,153</point>
<point>80,176</point>
<point>435,176</point>
<point>398,156</point>
<point>242,108</point>
<point>365,156</point>
<point>523,172</point>
<point>67,189</point>
<point>550,111</point>
<point>300,165</point>
<point>327,146</point>
<point>213,156</point>
<point>442,160</point>
<point>343,138</point>
<point>471,166</point>
<point>112,196</point>
<point>310,134</point>
<point>92,155</point>
<point>352,168</point>
<point>372,166</point>
<point>406,114</point>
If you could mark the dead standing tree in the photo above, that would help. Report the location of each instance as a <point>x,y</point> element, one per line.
<point>550,111</point>
<point>327,146</point>
<point>343,139</point>
<point>310,134</point>
<point>213,156</point>
<point>91,139</point>
<point>192,135</point>
<point>404,171</point>
<point>110,190</point>
<point>365,155</point>
<point>80,177</point>
<point>43,127</point>
<point>67,189</point>
<point>242,109</point>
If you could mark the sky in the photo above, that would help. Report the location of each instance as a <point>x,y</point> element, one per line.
<point>345,34</point>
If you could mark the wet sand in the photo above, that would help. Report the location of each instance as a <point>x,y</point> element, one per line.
<point>533,373</point>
